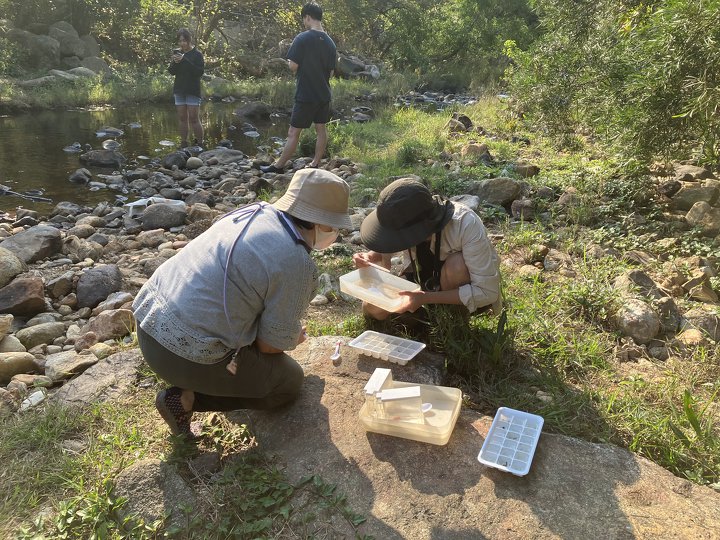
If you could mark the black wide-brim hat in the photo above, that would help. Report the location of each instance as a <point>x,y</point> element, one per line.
<point>406,215</point>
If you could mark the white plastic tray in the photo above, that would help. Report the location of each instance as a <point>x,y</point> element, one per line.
<point>376,287</point>
<point>510,444</point>
<point>391,348</point>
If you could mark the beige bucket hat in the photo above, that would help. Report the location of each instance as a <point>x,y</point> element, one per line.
<point>317,196</point>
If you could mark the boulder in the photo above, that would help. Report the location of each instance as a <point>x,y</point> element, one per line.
<point>34,243</point>
<point>705,320</point>
<point>91,46</point>
<point>155,491</point>
<point>96,284</point>
<point>23,296</point>
<point>80,176</point>
<point>10,266</point>
<point>526,170</point>
<point>96,64</point>
<point>175,159</point>
<point>474,150</point>
<point>689,173</point>
<point>81,71</point>
<point>43,52</point>
<point>406,489</point>
<point>70,43</point>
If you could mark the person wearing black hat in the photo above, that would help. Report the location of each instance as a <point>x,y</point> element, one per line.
<point>445,247</point>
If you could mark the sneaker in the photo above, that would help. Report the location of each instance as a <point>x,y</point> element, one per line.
<point>271,169</point>
<point>170,408</point>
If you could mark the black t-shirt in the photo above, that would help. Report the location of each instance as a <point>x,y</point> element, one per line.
<point>315,54</point>
<point>188,72</point>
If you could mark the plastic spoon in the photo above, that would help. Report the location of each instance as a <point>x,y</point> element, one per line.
<point>336,360</point>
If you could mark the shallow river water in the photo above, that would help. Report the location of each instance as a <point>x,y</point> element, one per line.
<point>32,159</point>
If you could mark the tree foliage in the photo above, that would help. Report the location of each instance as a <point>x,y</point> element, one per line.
<point>643,75</point>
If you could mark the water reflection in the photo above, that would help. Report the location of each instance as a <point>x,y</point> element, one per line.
<point>34,159</point>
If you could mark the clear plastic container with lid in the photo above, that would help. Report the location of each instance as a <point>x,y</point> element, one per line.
<point>376,287</point>
<point>438,405</point>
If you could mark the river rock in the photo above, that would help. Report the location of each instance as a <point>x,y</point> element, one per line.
<point>78,249</point>
<point>10,266</point>
<point>35,243</point>
<point>199,212</point>
<point>194,163</point>
<point>11,344</point>
<point>637,320</point>
<point>501,191</point>
<point>60,286</point>
<point>12,363</point>
<point>96,284</point>
<point>108,379</point>
<point>5,324</point>
<point>254,109</point>
<point>222,156</point>
<point>689,194</point>
<point>85,341</point>
<point>80,176</point>
<point>689,173</point>
<point>114,301</point>
<point>705,320</point>
<point>163,216</point>
<point>23,296</point>
<point>103,158</point>
<point>111,324</point>
<point>175,159</point>
<point>40,334</point>
<point>526,170</point>
<point>63,365</point>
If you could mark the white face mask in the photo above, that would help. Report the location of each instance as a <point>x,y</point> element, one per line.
<point>324,239</point>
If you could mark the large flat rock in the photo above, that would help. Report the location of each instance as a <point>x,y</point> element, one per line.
<point>408,489</point>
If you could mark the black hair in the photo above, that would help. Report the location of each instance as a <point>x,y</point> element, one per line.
<point>185,34</point>
<point>313,10</point>
<point>301,222</point>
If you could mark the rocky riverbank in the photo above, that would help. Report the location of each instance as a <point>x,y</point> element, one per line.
<point>67,279</point>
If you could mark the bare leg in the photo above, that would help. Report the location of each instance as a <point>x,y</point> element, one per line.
<point>187,398</point>
<point>454,273</point>
<point>320,144</point>
<point>193,113</point>
<point>290,147</point>
<point>182,115</point>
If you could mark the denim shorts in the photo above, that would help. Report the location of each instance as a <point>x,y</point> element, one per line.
<point>187,99</point>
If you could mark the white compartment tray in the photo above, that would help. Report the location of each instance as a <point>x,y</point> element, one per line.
<point>510,444</point>
<point>376,287</point>
<point>390,348</point>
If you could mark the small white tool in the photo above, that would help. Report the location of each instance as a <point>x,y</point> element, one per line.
<point>336,360</point>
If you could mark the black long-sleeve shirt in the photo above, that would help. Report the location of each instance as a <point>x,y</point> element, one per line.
<point>188,72</point>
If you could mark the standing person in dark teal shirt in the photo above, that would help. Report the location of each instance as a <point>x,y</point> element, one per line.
<point>312,58</point>
<point>188,66</point>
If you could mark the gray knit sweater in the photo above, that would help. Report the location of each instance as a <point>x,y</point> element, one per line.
<point>270,282</point>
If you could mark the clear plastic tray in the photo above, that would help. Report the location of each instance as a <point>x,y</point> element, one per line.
<point>510,444</point>
<point>391,348</point>
<point>439,420</point>
<point>376,287</point>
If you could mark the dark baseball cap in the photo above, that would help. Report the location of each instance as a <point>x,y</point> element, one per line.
<point>406,214</point>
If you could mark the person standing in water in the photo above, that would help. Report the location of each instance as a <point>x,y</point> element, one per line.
<point>312,58</point>
<point>187,65</point>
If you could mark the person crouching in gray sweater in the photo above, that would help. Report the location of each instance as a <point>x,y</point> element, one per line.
<point>215,320</point>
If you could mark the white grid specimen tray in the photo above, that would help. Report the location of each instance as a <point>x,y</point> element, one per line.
<point>510,444</point>
<point>390,348</point>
